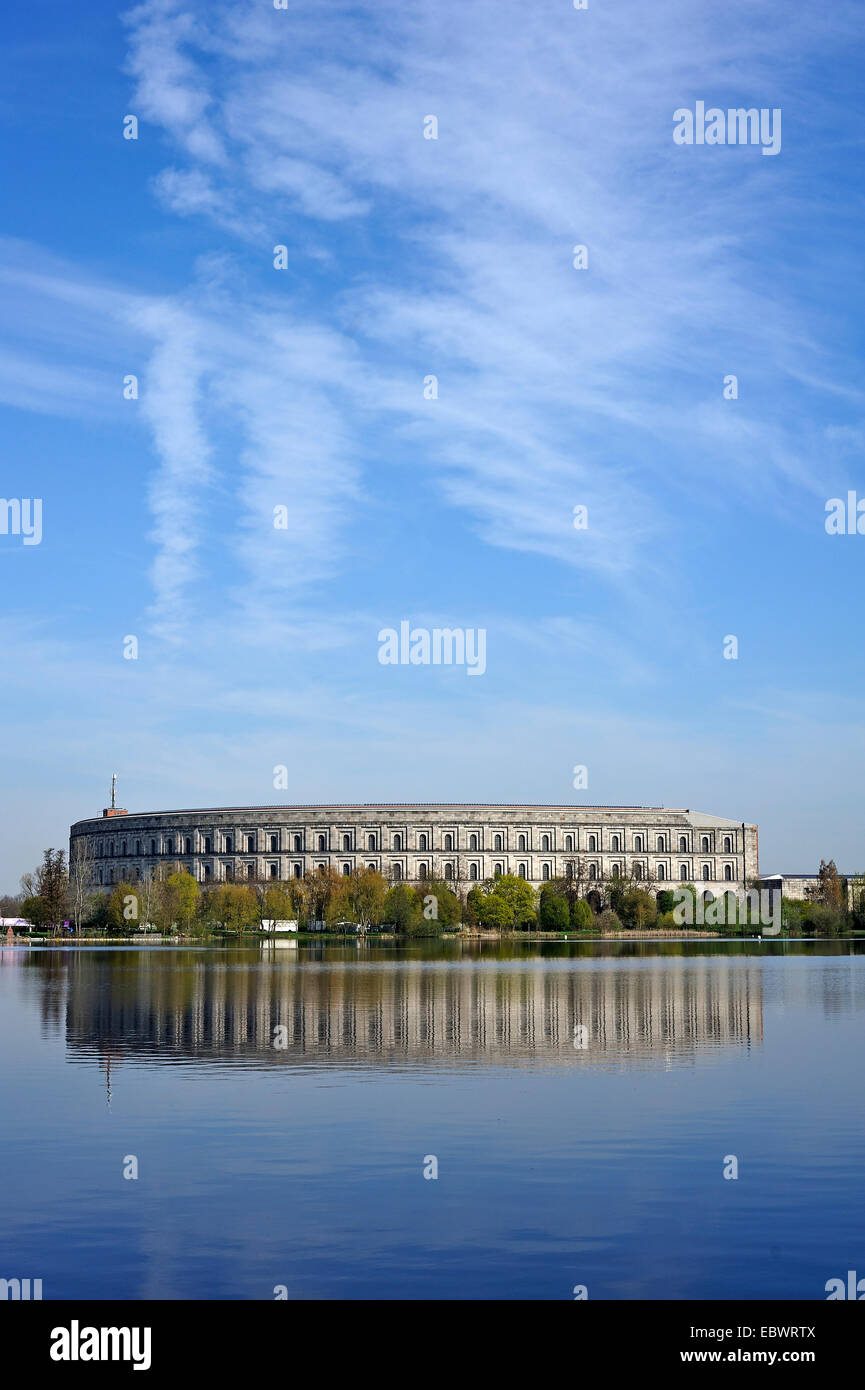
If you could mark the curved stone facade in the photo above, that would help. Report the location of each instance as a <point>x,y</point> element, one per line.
<point>460,843</point>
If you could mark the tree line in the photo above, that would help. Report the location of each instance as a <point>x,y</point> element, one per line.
<point>173,901</point>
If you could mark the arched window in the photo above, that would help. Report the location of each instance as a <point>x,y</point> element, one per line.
<point>346,870</point>
<point>229,872</point>
<point>123,847</point>
<point>100,875</point>
<point>346,842</point>
<point>274,843</point>
<point>593,842</point>
<point>207,844</point>
<point>274,870</point>
<point>397,871</point>
<point>683,844</point>
<point>137,846</point>
<point>421,871</point>
<point>683,872</point>
<point>228,844</point>
<point>638,871</point>
<point>569,842</point>
<point>705,845</point>
<point>545,871</point>
<point>705,873</point>
<point>322,842</point>
<point>250,844</point>
<point>449,872</point>
<point>449,841</point>
<point>297,871</point>
<point>615,844</point>
<point>298,844</point>
<point>208,871</point>
<point>728,873</point>
<point>615,871</point>
<point>593,871</point>
<point>110,875</point>
<point>638,843</point>
<point>152,846</point>
<point>545,842</point>
<point>662,842</point>
<point>522,871</point>
<point>370,842</point>
<point>397,841</point>
<point>250,871</point>
<point>473,841</point>
<point>169,846</point>
<point>662,872</point>
<point>188,845</point>
<point>522,842</point>
<point>370,866</point>
<point>498,870</point>
<point>728,844</point>
<point>498,842</point>
<point>422,844</point>
<point>473,872</point>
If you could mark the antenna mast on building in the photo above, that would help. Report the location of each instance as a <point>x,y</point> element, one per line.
<point>114,791</point>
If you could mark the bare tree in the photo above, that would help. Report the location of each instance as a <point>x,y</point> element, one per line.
<point>82,879</point>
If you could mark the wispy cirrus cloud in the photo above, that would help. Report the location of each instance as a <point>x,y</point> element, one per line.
<point>556,386</point>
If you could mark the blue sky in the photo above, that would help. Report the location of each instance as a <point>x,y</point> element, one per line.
<point>557,387</point>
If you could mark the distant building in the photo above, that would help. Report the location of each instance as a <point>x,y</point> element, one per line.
<point>458,843</point>
<point>797,885</point>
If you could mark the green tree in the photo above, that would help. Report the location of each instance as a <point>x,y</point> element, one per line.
<point>439,903</point>
<point>123,911</point>
<point>47,892</point>
<point>276,904</point>
<point>367,891</point>
<point>553,914</point>
<point>636,908</point>
<point>474,901</point>
<point>232,906</point>
<point>519,895</point>
<point>495,913</point>
<point>402,908</point>
<point>178,902</point>
<point>582,915</point>
<point>35,911</point>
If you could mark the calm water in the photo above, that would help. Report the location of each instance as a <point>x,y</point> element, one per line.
<point>302,1164</point>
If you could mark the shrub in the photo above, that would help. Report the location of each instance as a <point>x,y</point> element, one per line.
<point>553,915</point>
<point>582,915</point>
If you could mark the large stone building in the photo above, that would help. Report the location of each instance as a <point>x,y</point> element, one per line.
<point>459,843</point>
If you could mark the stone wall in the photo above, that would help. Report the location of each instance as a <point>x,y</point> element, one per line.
<point>412,842</point>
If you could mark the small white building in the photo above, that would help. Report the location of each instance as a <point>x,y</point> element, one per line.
<point>273,924</point>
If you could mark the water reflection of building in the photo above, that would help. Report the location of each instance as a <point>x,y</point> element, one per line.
<point>388,1013</point>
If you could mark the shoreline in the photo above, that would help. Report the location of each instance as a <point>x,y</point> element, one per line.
<point>341,938</point>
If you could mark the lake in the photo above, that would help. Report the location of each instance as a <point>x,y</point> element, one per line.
<point>578,1103</point>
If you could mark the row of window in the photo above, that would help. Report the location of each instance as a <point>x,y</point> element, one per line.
<point>184,844</point>
<point>396,872</point>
